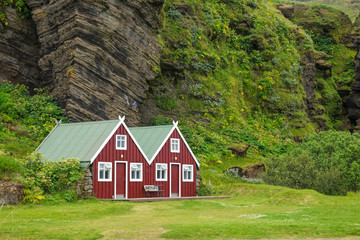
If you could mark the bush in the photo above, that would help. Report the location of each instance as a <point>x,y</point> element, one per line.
<point>51,177</point>
<point>328,162</point>
<point>203,190</point>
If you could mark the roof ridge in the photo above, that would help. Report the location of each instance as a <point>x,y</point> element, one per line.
<point>90,122</point>
<point>152,126</point>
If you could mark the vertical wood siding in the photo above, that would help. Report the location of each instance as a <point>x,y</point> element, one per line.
<point>188,189</point>
<point>105,190</point>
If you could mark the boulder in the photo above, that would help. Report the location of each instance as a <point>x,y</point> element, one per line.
<point>11,193</point>
<point>255,170</point>
<point>239,150</point>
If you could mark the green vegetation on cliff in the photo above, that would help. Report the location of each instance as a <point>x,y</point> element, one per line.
<point>245,72</point>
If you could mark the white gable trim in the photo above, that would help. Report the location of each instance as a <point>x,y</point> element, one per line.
<point>186,144</point>
<point>167,138</point>
<point>162,144</point>
<point>137,144</point>
<point>106,141</point>
<point>112,134</point>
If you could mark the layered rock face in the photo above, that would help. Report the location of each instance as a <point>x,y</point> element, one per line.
<point>316,64</point>
<point>97,56</point>
<point>354,100</point>
<point>19,50</point>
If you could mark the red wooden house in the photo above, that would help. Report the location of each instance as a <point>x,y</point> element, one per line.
<point>127,162</point>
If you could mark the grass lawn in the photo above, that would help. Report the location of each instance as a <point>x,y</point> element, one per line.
<point>253,211</point>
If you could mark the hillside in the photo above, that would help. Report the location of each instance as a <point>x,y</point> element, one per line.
<point>350,7</point>
<point>260,73</point>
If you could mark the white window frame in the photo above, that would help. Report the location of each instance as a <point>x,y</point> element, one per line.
<point>184,167</point>
<point>176,141</point>
<point>162,166</point>
<point>106,165</point>
<point>118,139</point>
<point>141,172</point>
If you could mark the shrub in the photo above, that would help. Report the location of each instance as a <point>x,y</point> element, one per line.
<point>33,196</point>
<point>328,162</point>
<point>203,190</point>
<point>51,177</point>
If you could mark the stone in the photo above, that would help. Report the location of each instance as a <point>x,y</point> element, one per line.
<point>84,188</point>
<point>255,170</point>
<point>11,193</point>
<point>239,150</point>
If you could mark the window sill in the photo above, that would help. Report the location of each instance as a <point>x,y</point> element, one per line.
<point>103,180</point>
<point>136,180</point>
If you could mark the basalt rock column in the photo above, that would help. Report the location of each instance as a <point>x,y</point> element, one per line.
<point>19,50</point>
<point>97,56</point>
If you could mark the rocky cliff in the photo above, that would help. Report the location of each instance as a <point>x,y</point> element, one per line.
<point>19,50</point>
<point>96,57</point>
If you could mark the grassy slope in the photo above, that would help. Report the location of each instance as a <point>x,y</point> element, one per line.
<point>254,211</point>
<point>350,7</point>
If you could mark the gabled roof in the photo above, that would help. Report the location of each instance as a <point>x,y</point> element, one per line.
<point>150,138</point>
<point>86,140</point>
<point>76,140</point>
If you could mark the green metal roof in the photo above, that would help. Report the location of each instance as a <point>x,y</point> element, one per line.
<point>83,140</point>
<point>76,140</point>
<point>150,138</point>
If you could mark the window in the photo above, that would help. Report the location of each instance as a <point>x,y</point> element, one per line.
<point>104,171</point>
<point>188,173</point>
<point>175,145</point>
<point>161,172</point>
<point>121,142</point>
<point>136,172</point>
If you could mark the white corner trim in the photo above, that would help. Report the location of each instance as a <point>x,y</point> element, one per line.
<point>162,144</point>
<point>57,124</point>
<point>187,145</point>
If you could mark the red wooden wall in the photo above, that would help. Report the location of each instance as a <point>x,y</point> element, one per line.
<point>188,189</point>
<point>105,190</point>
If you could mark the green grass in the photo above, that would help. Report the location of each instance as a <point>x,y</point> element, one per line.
<point>253,211</point>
